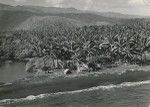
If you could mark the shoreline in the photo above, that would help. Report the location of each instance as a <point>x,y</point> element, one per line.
<point>121,68</point>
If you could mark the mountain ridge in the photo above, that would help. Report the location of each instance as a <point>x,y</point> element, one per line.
<point>13,16</point>
<point>58,10</point>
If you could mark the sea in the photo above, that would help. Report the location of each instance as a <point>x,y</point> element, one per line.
<point>130,88</point>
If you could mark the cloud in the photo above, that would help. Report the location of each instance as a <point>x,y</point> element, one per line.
<point>20,0</point>
<point>55,3</point>
<point>88,3</point>
<point>141,7</point>
<point>147,2</point>
<point>79,4</point>
<point>136,2</point>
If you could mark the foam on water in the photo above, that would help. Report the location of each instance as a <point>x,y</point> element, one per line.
<point>47,95</point>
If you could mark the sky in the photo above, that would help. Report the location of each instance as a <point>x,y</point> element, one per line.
<point>138,7</point>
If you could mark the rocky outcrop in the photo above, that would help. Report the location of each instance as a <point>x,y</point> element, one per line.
<point>67,72</point>
<point>1,83</point>
<point>82,68</point>
<point>44,64</point>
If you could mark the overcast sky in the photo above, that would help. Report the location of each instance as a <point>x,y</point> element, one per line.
<point>139,7</point>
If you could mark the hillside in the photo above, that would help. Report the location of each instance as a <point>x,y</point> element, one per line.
<point>90,18</point>
<point>48,23</point>
<point>11,19</point>
<point>118,15</point>
<point>38,9</point>
<point>13,16</point>
<point>5,7</point>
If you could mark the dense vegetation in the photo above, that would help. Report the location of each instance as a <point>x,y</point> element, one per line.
<point>93,45</point>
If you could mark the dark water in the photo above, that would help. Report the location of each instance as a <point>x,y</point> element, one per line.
<point>12,71</point>
<point>122,89</point>
<point>133,96</point>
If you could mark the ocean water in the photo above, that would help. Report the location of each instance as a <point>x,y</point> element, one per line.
<point>12,71</point>
<point>121,89</point>
<point>107,96</point>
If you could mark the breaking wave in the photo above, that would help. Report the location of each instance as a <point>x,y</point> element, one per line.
<point>58,86</point>
<point>49,95</point>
